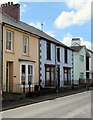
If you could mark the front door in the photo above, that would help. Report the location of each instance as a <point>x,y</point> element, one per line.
<point>9,76</point>
<point>67,76</point>
<point>58,76</point>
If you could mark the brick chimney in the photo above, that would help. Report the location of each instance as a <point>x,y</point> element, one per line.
<point>12,10</point>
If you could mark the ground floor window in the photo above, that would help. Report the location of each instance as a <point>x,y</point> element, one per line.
<point>67,76</point>
<point>27,75</point>
<point>49,75</point>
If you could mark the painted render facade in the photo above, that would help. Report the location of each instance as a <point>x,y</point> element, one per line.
<point>20,68</point>
<point>83,64</point>
<point>53,63</point>
<point>15,59</point>
<point>0,53</point>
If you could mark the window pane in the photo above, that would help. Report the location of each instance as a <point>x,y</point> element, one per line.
<point>48,68</point>
<point>23,74</point>
<point>9,45</point>
<point>23,69</point>
<point>9,36</point>
<point>30,79</point>
<point>47,78</point>
<point>66,55</point>
<point>58,54</point>
<point>52,78</point>
<point>9,40</point>
<point>48,51</point>
<point>25,45</point>
<point>30,73</point>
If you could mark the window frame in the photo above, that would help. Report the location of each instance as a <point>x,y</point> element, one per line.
<point>81,57</point>
<point>65,55</point>
<point>26,81</point>
<point>11,41</point>
<point>51,72</point>
<point>27,45</point>
<point>58,54</point>
<point>48,57</point>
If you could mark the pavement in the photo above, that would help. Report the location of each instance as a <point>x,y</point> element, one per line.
<point>31,100</point>
<point>71,106</point>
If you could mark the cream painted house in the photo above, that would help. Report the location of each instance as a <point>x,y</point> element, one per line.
<point>20,58</point>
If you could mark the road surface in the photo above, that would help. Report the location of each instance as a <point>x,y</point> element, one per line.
<point>72,106</point>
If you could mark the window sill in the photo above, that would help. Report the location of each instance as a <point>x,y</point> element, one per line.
<point>66,63</point>
<point>26,55</point>
<point>11,52</point>
<point>48,60</point>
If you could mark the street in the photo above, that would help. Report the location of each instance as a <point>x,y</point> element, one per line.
<point>72,106</point>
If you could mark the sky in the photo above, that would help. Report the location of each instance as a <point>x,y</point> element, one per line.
<point>61,19</point>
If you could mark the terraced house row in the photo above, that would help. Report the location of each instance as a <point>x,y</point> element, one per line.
<point>30,57</point>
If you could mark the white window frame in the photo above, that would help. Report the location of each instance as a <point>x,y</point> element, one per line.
<point>8,31</point>
<point>25,45</point>
<point>26,64</point>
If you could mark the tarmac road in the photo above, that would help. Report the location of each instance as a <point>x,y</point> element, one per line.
<point>72,106</point>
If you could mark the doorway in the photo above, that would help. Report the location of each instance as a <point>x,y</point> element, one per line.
<point>58,75</point>
<point>9,76</point>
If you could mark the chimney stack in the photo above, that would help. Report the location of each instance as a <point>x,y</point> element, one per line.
<point>8,3</point>
<point>76,42</point>
<point>12,10</point>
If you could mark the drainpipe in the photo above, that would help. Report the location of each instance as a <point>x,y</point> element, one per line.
<point>39,63</point>
<point>1,54</point>
<point>56,79</point>
<point>0,66</point>
<point>72,70</point>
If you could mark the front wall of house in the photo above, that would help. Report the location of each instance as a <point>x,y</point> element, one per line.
<point>91,65</point>
<point>17,53</point>
<point>79,66</point>
<point>0,52</point>
<point>44,61</point>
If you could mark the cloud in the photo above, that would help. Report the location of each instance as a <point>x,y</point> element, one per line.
<point>23,8</point>
<point>50,33</point>
<point>68,38</point>
<point>36,25</point>
<point>80,13</point>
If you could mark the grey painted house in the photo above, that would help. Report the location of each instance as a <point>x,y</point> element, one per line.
<point>56,64</point>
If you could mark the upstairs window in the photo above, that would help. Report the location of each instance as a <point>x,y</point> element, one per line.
<point>48,51</point>
<point>82,58</point>
<point>81,75</point>
<point>58,54</point>
<point>9,40</point>
<point>66,55</point>
<point>25,45</point>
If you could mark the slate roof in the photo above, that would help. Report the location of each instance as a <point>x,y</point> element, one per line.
<point>30,29</point>
<point>77,48</point>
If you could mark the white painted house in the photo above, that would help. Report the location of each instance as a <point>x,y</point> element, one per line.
<point>55,63</point>
<point>82,62</point>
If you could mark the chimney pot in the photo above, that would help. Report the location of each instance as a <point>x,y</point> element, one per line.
<point>5,4</point>
<point>11,3</point>
<point>8,3</point>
